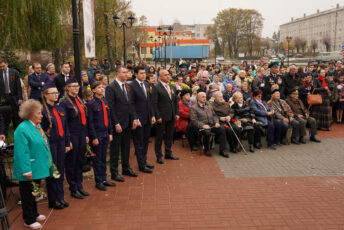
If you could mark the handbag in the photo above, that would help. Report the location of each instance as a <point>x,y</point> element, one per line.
<point>314,99</point>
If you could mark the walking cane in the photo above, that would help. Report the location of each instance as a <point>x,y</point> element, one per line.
<point>237,137</point>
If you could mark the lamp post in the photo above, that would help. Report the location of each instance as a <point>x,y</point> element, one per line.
<point>164,35</point>
<point>288,40</point>
<point>155,41</point>
<point>124,25</point>
<point>170,29</point>
<point>76,43</point>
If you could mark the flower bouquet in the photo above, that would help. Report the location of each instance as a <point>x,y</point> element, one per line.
<point>89,152</point>
<point>38,192</point>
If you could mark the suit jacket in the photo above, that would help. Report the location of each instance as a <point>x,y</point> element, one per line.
<point>15,85</point>
<point>271,80</point>
<point>36,85</point>
<point>120,108</point>
<point>164,106</point>
<point>142,105</point>
<point>281,108</point>
<point>31,153</point>
<point>297,107</point>
<point>200,116</point>
<point>60,84</point>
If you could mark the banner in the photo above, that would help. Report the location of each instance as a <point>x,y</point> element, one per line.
<point>89,28</point>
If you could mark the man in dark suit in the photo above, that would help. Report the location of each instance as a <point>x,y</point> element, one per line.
<point>119,98</point>
<point>10,89</point>
<point>36,81</point>
<point>166,110</point>
<point>60,80</point>
<point>143,110</point>
<point>272,79</point>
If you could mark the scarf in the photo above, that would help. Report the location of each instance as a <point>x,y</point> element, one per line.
<point>323,81</point>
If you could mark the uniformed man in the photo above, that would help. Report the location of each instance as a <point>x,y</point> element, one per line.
<point>272,79</point>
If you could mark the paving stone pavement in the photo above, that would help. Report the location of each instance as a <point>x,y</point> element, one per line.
<point>311,159</point>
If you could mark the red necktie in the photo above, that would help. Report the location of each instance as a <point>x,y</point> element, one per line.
<point>106,122</point>
<point>82,111</point>
<point>58,121</point>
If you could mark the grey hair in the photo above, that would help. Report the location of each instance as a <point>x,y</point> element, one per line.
<point>50,65</point>
<point>28,108</point>
<point>217,94</point>
<point>236,95</point>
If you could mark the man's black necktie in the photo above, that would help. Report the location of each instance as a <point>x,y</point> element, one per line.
<point>143,89</point>
<point>125,92</point>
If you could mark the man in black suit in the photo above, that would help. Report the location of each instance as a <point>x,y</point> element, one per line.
<point>119,98</point>
<point>11,92</point>
<point>36,81</point>
<point>143,110</point>
<point>60,80</point>
<point>166,110</point>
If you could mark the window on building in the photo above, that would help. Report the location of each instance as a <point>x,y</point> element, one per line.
<point>151,50</point>
<point>143,50</point>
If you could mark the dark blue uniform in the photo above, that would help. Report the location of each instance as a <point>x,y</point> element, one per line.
<point>58,146</point>
<point>78,133</point>
<point>98,130</point>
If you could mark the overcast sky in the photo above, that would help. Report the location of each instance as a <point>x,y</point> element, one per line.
<point>274,12</point>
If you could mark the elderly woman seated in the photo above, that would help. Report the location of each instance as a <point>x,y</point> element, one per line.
<point>284,114</point>
<point>244,116</point>
<point>223,110</point>
<point>266,116</point>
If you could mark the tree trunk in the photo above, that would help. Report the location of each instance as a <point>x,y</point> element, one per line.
<point>57,59</point>
<point>108,45</point>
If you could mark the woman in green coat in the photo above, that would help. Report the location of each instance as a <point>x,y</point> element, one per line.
<point>32,159</point>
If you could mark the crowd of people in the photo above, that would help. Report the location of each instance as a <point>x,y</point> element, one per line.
<point>225,104</point>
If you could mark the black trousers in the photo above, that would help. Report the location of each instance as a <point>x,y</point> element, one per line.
<point>141,140</point>
<point>29,205</point>
<point>253,133</point>
<point>166,127</point>
<point>231,139</point>
<point>120,140</point>
<point>220,135</point>
<point>191,135</point>
<point>14,116</point>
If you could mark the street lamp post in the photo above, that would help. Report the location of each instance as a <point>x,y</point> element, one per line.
<point>164,35</point>
<point>288,40</point>
<point>155,41</point>
<point>170,29</point>
<point>76,43</point>
<point>124,26</point>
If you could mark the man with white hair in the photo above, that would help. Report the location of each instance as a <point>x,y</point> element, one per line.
<point>205,120</point>
<point>291,80</point>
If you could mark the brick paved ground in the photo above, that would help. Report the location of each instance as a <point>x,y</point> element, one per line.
<point>279,192</point>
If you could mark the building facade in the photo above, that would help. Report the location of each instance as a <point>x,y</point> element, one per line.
<point>319,27</point>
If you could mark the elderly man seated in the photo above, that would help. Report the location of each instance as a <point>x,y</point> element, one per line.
<point>284,113</point>
<point>204,119</point>
<point>301,114</point>
<point>223,110</point>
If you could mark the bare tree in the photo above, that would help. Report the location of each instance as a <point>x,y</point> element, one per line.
<point>303,44</point>
<point>297,44</point>
<point>327,42</point>
<point>314,46</point>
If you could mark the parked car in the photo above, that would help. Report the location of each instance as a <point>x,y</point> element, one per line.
<point>220,58</point>
<point>329,56</point>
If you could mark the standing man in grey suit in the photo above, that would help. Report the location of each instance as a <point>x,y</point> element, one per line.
<point>166,110</point>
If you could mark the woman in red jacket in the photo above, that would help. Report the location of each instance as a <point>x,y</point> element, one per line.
<point>183,123</point>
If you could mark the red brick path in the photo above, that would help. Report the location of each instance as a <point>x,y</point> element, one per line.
<point>192,193</point>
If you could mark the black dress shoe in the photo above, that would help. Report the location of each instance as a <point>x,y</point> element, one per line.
<point>302,140</point>
<point>117,177</point>
<point>294,141</point>
<point>159,160</point>
<point>171,157</point>
<point>145,170</point>
<point>194,148</point>
<point>272,147</point>
<point>257,145</point>
<point>224,154</point>
<point>83,192</point>
<point>284,142</point>
<point>55,205</point>
<point>278,144</point>
<point>101,186</point>
<point>315,139</point>
<point>77,195</point>
<point>108,183</point>
<point>251,149</point>
<point>150,166</point>
<point>129,172</point>
<point>207,153</point>
<point>64,203</point>
<point>234,150</point>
